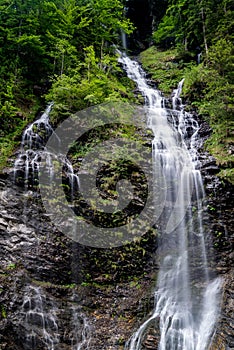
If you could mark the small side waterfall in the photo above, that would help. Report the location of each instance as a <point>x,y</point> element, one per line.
<point>33,144</point>
<point>39,323</point>
<point>123,34</point>
<point>124,40</point>
<point>81,332</point>
<point>199,57</point>
<point>176,100</point>
<point>41,313</point>
<point>186,300</point>
<point>40,318</point>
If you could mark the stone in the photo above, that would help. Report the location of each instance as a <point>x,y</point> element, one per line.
<point>113,289</point>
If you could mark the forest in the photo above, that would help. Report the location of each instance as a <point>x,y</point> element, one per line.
<point>160,275</point>
<point>65,51</point>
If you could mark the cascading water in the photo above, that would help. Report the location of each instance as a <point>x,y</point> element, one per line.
<point>186,300</point>
<point>39,323</point>
<point>39,315</point>
<point>33,144</point>
<point>124,40</point>
<point>199,56</point>
<point>40,318</point>
<point>81,330</point>
<point>33,141</point>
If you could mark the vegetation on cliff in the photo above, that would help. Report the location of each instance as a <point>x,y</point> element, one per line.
<point>196,42</point>
<point>63,51</point>
<point>66,45</point>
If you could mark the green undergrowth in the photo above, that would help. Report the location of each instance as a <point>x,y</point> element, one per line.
<point>86,86</point>
<point>166,68</point>
<point>93,83</point>
<point>221,147</point>
<point>209,87</point>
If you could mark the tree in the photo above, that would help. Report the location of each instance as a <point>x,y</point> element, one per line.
<point>43,40</point>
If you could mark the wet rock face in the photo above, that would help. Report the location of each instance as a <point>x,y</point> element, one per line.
<point>97,296</point>
<point>27,237</point>
<point>32,254</point>
<point>220,211</point>
<point>219,225</point>
<point>50,286</point>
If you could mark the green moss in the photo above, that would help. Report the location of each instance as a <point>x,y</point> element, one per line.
<point>165,67</point>
<point>7,146</point>
<point>3,311</point>
<point>220,146</point>
<point>227,174</point>
<point>11,266</point>
<point>46,284</point>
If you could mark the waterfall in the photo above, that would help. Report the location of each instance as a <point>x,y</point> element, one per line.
<point>33,141</point>
<point>81,334</point>
<point>186,299</point>
<point>199,56</point>
<point>33,145</point>
<point>39,314</point>
<point>176,100</point>
<point>124,40</point>
<point>40,319</point>
<point>123,34</point>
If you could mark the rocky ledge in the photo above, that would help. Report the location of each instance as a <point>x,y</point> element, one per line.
<point>97,297</point>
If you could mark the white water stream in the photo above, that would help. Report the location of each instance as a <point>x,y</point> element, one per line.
<point>39,314</point>
<point>40,319</point>
<point>81,331</point>
<point>186,300</point>
<point>33,144</point>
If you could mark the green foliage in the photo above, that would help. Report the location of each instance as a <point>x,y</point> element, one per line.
<point>3,311</point>
<point>11,266</point>
<point>165,31</point>
<point>191,28</point>
<point>67,43</point>
<point>165,67</point>
<point>105,20</point>
<point>210,88</point>
<point>193,24</point>
<point>94,81</point>
<point>12,123</point>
